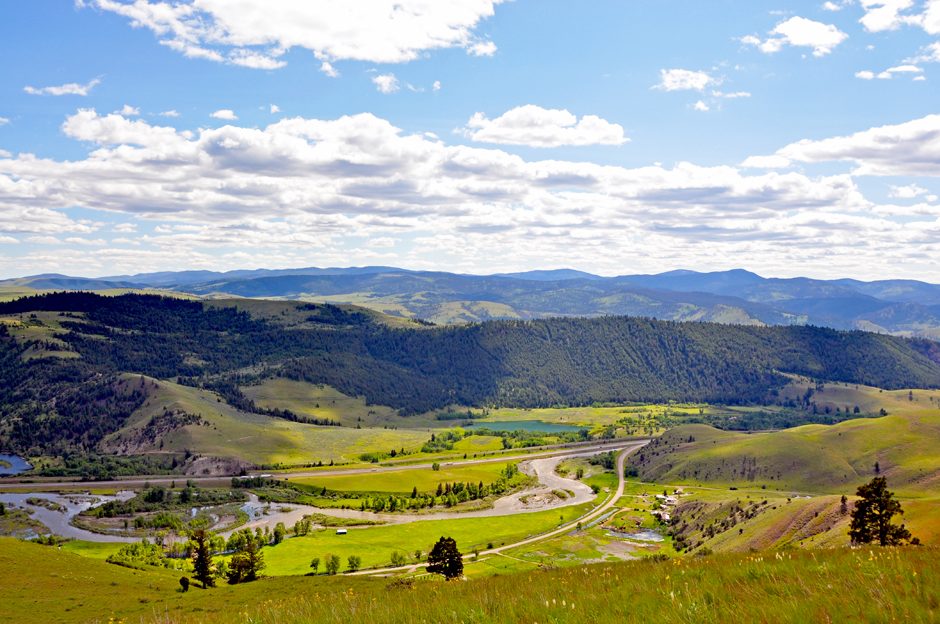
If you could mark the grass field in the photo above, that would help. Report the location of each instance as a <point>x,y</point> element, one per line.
<point>425,479</point>
<point>880,585</point>
<point>228,432</point>
<point>376,544</point>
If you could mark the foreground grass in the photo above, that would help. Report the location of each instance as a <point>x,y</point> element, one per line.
<point>842,585</point>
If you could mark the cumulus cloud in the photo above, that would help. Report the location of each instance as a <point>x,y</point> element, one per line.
<point>128,111</point>
<point>386,83</point>
<point>799,32</point>
<point>274,109</point>
<point>436,86</point>
<point>327,68</point>
<point>911,148</point>
<point>535,126</point>
<point>701,106</point>
<point>684,80</point>
<point>256,35</point>
<point>4,121</point>
<point>295,191</point>
<point>224,113</point>
<point>71,88</point>
<point>170,113</point>
<point>910,191</point>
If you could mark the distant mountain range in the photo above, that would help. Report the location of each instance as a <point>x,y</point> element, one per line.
<point>903,307</point>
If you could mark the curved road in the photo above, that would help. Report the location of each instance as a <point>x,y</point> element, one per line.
<point>591,515</point>
<point>25,482</point>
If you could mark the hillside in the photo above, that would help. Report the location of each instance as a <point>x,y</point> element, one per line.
<point>814,458</point>
<point>828,585</point>
<point>903,307</point>
<point>64,357</point>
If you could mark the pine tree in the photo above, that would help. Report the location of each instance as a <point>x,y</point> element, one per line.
<point>871,518</point>
<point>203,568</point>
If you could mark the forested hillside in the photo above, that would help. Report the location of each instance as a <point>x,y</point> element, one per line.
<point>49,402</point>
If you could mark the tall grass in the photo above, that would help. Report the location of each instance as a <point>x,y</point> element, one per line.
<point>879,585</point>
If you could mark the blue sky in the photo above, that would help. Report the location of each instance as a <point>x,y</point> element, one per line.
<point>795,138</point>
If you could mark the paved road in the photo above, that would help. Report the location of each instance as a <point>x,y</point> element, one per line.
<point>136,482</point>
<point>588,517</point>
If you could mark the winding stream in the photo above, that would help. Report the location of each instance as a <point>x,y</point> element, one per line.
<point>59,521</point>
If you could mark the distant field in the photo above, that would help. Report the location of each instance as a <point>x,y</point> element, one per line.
<point>228,432</point>
<point>901,585</point>
<point>402,481</point>
<point>376,544</point>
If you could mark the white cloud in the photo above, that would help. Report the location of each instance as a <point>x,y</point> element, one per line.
<point>224,113</point>
<point>865,74</point>
<point>310,191</point>
<point>327,68</point>
<point>170,113</point>
<point>71,88</point>
<point>799,32</point>
<point>482,48</point>
<point>836,6</point>
<point>386,83</point>
<point>684,80</point>
<point>910,191</point>
<point>911,148</point>
<point>883,15</point>
<point>8,240</point>
<point>732,95</point>
<point>900,69</point>
<point>929,54</point>
<point>436,86</point>
<point>274,109</point>
<point>701,106</point>
<point>255,34</point>
<point>535,126</point>
<point>128,111</point>
<point>4,121</point>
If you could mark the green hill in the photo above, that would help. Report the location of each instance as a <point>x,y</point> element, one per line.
<point>62,360</point>
<point>814,458</point>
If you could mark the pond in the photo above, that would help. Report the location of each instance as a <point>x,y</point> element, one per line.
<point>527,425</point>
<point>13,465</point>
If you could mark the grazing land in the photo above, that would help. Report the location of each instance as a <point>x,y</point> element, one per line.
<point>825,585</point>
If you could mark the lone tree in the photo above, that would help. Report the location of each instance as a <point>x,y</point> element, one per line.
<point>203,568</point>
<point>871,518</point>
<point>445,559</point>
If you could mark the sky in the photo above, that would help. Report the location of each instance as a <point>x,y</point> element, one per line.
<point>474,136</point>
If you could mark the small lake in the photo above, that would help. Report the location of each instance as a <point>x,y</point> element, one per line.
<point>526,425</point>
<point>13,465</point>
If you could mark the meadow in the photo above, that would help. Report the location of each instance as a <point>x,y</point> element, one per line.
<point>425,480</point>
<point>864,585</point>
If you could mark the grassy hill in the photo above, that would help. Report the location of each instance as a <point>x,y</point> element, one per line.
<point>834,585</point>
<point>814,458</point>
<point>175,418</point>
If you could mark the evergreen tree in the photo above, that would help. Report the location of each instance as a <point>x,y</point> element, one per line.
<point>871,518</point>
<point>203,568</point>
<point>445,559</point>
